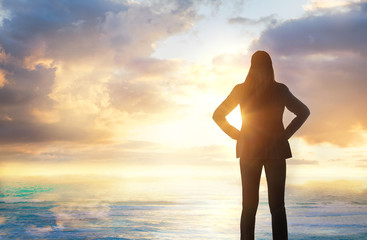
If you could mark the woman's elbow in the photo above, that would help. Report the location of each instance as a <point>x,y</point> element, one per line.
<point>217,117</point>
<point>306,113</point>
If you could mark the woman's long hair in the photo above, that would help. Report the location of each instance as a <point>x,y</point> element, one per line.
<point>260,77</point>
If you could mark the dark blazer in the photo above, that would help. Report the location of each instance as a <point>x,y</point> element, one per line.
<point>262,135</point>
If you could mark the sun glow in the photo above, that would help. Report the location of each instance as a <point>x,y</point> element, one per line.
<point>234,118</point>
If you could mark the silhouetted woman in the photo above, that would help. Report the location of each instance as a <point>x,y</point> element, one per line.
<point>262,141</point>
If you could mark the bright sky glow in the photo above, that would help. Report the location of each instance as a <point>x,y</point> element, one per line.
<point>127,89</point>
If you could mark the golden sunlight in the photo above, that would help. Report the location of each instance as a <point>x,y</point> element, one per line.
<point>234,118</point>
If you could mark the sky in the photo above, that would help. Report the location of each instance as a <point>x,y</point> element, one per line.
<point>110,88</point>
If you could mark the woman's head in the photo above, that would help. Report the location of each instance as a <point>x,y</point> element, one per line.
<point>261,74</point>
<point>261,59</point>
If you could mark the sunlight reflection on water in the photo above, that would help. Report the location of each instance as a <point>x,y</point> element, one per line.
<point>56,211</point>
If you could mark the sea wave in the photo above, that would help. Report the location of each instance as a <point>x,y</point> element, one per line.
<point>45,214</point>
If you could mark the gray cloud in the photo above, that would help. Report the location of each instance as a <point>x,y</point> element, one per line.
<point>322,58</point>
<point>329,32</point>
<point>32,22</point>
<point>271,20</point>
<point>26,86</point>
<point>25,91</point>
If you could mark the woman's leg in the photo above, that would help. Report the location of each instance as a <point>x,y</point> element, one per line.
<point>275,177</point>
<point>250,176</point>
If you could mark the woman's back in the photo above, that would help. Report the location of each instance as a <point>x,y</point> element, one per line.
<point>262,134</point>
<point>263,114</point>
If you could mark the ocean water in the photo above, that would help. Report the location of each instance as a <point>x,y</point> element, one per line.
<point>41,210</point>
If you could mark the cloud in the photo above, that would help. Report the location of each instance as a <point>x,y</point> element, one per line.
<point>271,20</point>
<point>314,5</point>
<point>128,153</point>
<point>72,71</point>
<point>319,34</point>
<point>35,23</point>
<point>302,162</point>
<point>361,163</point>
<point>322,58</point>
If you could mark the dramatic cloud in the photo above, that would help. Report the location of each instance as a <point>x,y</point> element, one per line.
<point>322,58</point>
<point>72,70</point>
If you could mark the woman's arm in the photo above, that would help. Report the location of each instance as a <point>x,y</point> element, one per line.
<point>223,110</point>
<point>301,111</point>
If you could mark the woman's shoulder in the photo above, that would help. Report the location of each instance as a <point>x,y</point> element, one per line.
<point>242,88</point>
<point>281,86</point>
<point>240,85</point>
<point>238,88</point>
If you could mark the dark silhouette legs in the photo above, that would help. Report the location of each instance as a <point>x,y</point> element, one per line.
<point>250,176</point>
<point>275,176</point>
